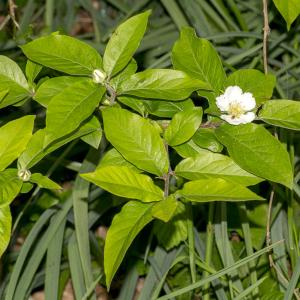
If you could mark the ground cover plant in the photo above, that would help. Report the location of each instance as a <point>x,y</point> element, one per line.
<point>174,161</point>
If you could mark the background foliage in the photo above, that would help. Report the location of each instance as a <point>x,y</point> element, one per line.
<point>235,28</point>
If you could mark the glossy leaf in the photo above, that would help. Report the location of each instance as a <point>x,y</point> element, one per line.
<point>69,108</point>
<point>211,165</point>
<point>255,82</point>
<point>282,113</point>
<point>123,43</point>
<point>134,103</point>
<point>289,9</point>
<point>32,71</point>
<point>255,149</point>
<point>114,158</point>
<point>161,84</point>
<point>206,138</point>
<point>63,53</point>
<point>165,209</point>
<point>13,80</point>
<point>191,55</point>
<point>10,186</point>
<point>124,228</point>
<point>36,149</point>
<point>207,190</point>
<point>5,228</point>
<point>14,137</point>
<point>44,182</point>
<point>136,139</point>
<point>54,86</point>
<point>189,149</point>
<point>183,126</point>
<point>124,182</point>
<point>167,109</point>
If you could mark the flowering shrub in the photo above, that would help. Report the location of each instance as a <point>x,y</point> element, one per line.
<point>162,150</point>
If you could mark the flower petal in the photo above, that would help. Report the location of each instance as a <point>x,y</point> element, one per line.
<point>233,93</point>
<point>247,101</point>
<point>247,117</point>
<point>222,103</point>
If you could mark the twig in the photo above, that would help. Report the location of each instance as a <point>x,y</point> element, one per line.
<point>5,21</point>
<point>12,6</point>
<point>266,34</point>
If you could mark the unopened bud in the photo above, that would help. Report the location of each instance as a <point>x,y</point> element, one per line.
<point>24,175</point>
<point>98,76</point>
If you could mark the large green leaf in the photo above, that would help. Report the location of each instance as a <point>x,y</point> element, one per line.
<point>183,126</point>
<point>13,80</point>
<point>63,53</point>
<point>282,113</point>
<point>5,228</point>
<point>14,137</point>
<point>217,189</point>
<point>164,210</point>
<point>54,86</point>
<point>32,70</point>
<point>136,139</point>
<point>255,149</point>
<point>255,82</point>
<point>189,149</point>
<point>162,84</point>
<point>213,165</point>
<point>198,58</point>
<point>124,182</point>
<point>167,109</point>
<point>10,186</point>
<point>289,9</point>
<point>114,158</point>
<point>124,228</point>
<point>123,43</point>
<point>69,108</point>
<point>206,138</point>
<point>36,149</point>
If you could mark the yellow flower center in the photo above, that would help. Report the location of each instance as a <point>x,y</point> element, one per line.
<point>235,110</point>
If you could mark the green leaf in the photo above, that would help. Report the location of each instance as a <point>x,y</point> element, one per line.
<point>206,138</point>
<point>165,209</point>
<point>44,182</point>
<point>167,109</point>
<point>217,189</point>
<point>123,43</point>
<point>282,113</point>
<point>136,139</point>
<point>162,84</point>
<point>54,86</point>
<point>189,149</point>
<point>255,82</point>
<point>208,165</point>
<point>63,53</point>
<point>14,137</point>
<point>255,149</point>
<point>124,182</point>
<point>133,102</point>
<point>114,158</point>
<point>124,228</point>
<point>129,70</point>
<point>36,149</point>
<point>10,186</point>
<point>174,232</point>
<point>191,55</point>
<point>5,228</point>
<point>69,108</point>
<point>13,80</point>
<point>289,9</point>
<point>94,138</point>
<point>32,71</point>
<point>183,126</point>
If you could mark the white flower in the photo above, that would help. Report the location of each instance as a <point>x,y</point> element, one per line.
<point>24,175</point>
<point>237,106</point>
<point>98,76</point>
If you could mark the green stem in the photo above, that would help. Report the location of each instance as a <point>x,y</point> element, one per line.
<point>209,246</point>
<point>191,240</point>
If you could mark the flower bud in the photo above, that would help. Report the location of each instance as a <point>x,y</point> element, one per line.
<point>98,76</point>
<point>24,175</point>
